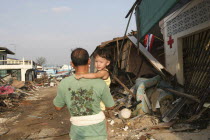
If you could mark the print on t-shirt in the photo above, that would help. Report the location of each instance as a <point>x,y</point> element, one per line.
<point>82,102</point>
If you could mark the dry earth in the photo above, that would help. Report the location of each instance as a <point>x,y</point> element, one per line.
<point>35,118</point>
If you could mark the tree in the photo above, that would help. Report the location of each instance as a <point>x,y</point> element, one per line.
<point>41,61</point>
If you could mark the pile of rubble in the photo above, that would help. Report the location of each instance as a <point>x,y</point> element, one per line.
<point>147,106</point>
<point>13,91</point>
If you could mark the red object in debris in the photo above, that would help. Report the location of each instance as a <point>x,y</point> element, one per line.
<point>148,41</point>
<point>6,89</point>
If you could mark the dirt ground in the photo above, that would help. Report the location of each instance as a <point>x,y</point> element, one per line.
<point>35,118</point>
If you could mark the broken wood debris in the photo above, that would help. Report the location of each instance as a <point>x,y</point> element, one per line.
<point>13,91</point>
<point>153,113</point>
<point>183,94</point>
<point>114,77</point>
<point>151,59</point>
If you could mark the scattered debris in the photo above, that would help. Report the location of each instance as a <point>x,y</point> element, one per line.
<point>151,110</point>
<point>13,91</point>
<point>18,84</point>
<point>125,113</point>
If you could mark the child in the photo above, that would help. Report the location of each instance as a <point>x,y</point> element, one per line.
<point>102,61</point>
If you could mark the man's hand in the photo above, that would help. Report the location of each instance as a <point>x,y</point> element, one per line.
<point>58,108</point>
<point>110,108</point>
<point>78,77</point>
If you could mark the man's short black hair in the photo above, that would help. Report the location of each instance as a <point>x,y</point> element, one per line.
<point>79,56</point>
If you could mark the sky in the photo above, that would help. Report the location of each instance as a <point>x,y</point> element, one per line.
<point>52,28</point>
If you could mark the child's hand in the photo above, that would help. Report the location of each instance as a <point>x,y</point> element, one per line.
<point>78,77</point>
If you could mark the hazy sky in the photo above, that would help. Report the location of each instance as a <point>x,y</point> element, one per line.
<point>51,28</point>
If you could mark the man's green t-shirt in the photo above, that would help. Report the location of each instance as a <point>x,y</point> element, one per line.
<point>82,97</point>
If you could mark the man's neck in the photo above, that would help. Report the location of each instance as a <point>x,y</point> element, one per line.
<point>81,70</point>
<point>78,73</point>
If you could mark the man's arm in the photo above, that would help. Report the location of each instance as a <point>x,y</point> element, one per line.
<point>59,101</point>
<point>107,98</point>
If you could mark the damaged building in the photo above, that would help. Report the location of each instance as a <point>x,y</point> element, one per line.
<point>172,77</point>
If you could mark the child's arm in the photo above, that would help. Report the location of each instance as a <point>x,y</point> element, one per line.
<point>101,74</point>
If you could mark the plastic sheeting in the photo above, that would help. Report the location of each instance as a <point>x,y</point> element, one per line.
<point>149,12</point>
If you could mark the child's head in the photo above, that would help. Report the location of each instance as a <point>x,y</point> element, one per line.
<point>102,58</point>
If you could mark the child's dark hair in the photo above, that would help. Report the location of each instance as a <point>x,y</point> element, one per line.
<point>104,53</point>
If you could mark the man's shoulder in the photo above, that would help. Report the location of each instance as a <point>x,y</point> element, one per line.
<point>97,82</point>
<point>67,79</point>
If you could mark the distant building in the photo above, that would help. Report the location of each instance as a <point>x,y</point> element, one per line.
<point>23,70</point>
<point>50,71</point>
<point>65,68</point>
<point>39,67</point>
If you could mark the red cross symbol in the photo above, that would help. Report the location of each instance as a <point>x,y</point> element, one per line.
<point>170,41</point>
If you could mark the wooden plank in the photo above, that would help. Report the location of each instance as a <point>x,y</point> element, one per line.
<point>183,95</point>
<point>148,55</point>
<point>129,52</point>
<point>103,44</point>
<point>114,77</point>
<point>118,54</point>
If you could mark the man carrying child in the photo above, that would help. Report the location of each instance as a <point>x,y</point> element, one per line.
<point>82,98</point>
